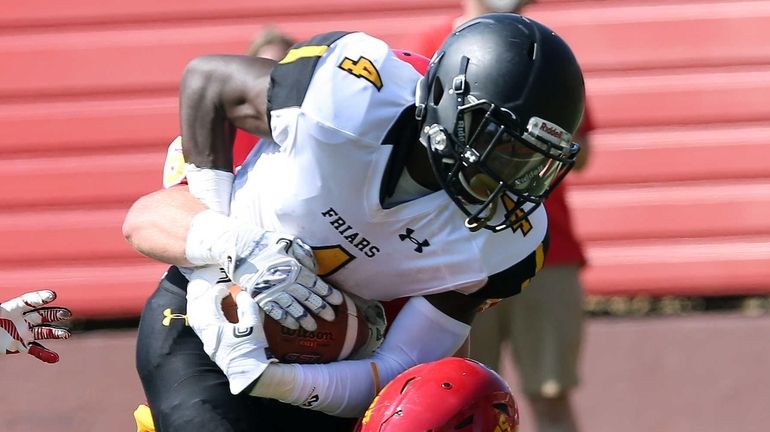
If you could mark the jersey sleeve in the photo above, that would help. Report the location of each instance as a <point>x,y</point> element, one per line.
<point>291,77</point>
<point>337,86</point>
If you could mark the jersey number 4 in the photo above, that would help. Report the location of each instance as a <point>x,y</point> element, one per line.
<point>362,68</point>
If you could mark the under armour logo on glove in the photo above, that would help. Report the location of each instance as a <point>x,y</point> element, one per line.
<point>419,244</point>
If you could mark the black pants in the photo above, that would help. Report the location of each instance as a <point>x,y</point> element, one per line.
<point>188,392</point>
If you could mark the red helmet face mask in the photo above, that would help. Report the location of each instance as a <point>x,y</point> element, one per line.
<point>449,395</point>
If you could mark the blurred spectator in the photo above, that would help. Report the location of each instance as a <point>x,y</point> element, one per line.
<point>428,42</point>
<point>270,43</point>
<point>544,323</point>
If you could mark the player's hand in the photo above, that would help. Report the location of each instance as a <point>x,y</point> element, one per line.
<point>238,349</point>
<point>24,321</point>
<point>280,274</point>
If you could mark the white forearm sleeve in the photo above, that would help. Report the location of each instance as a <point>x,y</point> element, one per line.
<point>419,334</point>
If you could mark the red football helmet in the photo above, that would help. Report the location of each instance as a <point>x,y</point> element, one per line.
<point>418,62</point>
<point>452,394</point>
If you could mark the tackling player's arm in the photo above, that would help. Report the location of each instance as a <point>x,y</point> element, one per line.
<point>147,229</point>
<point>219,93</point>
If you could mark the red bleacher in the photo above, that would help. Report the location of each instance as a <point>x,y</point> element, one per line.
<point>676,198</point>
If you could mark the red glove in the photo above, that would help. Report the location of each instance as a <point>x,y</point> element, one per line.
<point>23,321</point>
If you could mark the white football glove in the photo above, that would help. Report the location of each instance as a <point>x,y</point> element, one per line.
<point>23,321</point>
<point>280,275</point>
<point>238,349</point>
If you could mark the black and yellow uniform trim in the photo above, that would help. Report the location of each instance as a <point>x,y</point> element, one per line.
<point>291,77</point>
<point>186,389</point>
<point>512,280</point>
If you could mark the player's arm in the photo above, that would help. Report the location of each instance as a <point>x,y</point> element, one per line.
<point>278,270</point>
<point>219,93</point>
<point>427,329</point>
<point>157,224</point>
<point>420,333</point>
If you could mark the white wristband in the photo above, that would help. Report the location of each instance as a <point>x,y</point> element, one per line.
<point>213,237</point>
<point>213,187</point>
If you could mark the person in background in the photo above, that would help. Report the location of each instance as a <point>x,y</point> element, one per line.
<point>270,43</point>
<point>543,325</point>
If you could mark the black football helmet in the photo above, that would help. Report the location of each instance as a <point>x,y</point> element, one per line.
<point>498,105</point>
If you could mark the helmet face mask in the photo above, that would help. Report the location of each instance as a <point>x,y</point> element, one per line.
<point>486,157</point>
<point>498,105</point>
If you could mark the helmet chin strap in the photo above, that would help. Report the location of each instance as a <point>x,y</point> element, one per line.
<point>479,181</point>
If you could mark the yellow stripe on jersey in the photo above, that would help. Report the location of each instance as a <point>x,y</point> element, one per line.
<point>304,52</point>
<point>539,257</point>
<point>539,262</point>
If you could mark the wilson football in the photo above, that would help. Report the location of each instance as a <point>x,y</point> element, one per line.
<point>331,341</point>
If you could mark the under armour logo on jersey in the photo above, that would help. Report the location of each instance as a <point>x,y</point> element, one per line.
<point>168,316</point>
<point>223,277</point>
<point>419,244</point>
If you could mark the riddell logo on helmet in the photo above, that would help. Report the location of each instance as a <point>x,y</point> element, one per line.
<point>552,131</point>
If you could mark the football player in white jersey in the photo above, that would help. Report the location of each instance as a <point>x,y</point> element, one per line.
<point>402,186</point>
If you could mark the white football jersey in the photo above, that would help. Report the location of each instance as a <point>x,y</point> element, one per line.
<point>332,104</point>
